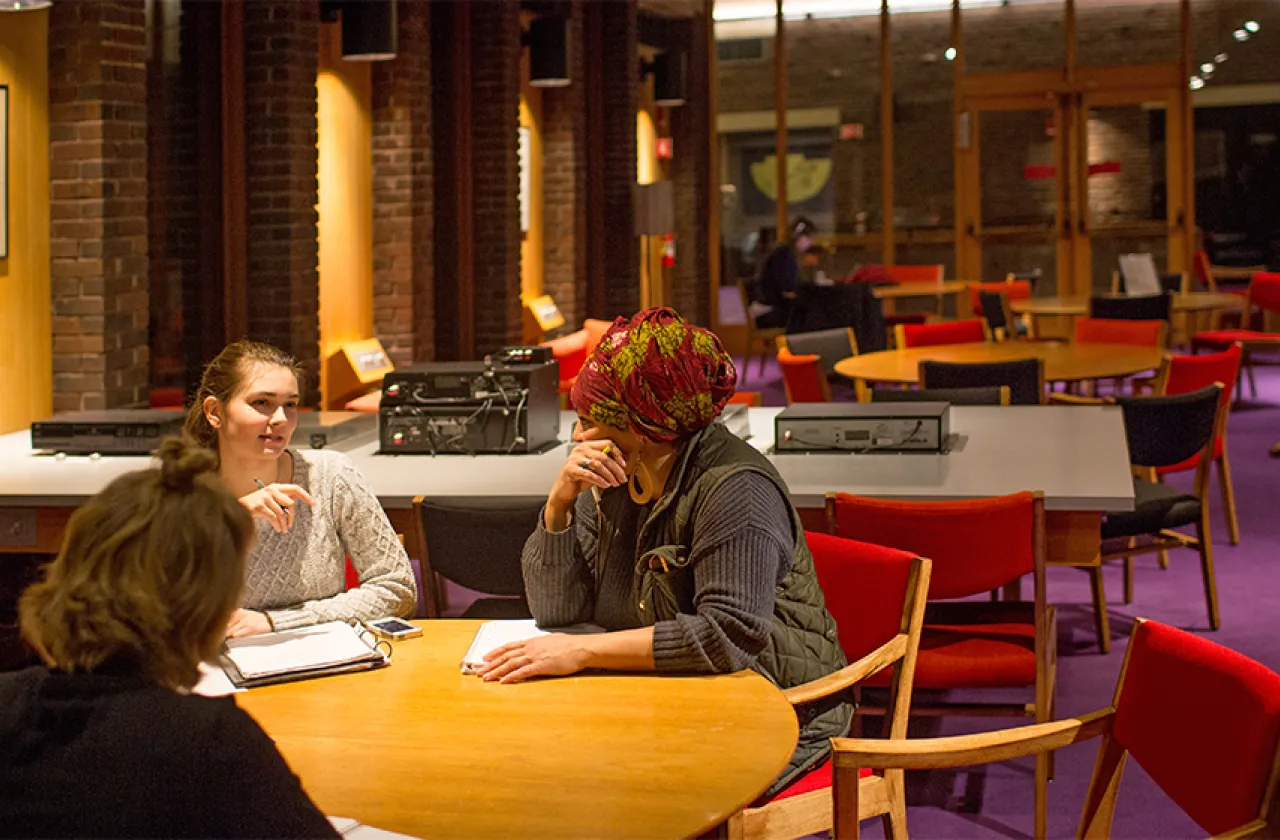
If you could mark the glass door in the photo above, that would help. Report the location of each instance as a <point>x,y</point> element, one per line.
<point>1129,198</point>
<point>1012,188</point>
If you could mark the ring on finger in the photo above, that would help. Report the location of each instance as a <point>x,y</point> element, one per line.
<point>584,464</point>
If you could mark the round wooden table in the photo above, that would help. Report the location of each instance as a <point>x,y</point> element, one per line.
<point>1062,362</point>
<point>894,291</point>
<point>1079,306</point>
<point>422,749</point>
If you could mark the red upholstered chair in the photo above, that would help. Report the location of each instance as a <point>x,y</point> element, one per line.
<point>1182,375</point>
<point>914,273</point>
<point>1224,778</point>
<point>803,378</point>
<point>571,350</point>
<point>1010,289</point>
<point>976,546</point>
<point>971,331</point>
<point>1119,331</point>
<point>877,597</point>
<point>1263,293</point>
<point>750,398</point>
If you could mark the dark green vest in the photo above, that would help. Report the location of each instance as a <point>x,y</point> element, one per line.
<point>802,645</point>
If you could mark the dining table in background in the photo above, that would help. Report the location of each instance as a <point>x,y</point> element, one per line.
<point>1054,317</point>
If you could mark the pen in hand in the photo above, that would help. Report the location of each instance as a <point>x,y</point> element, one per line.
<point>258,482</point>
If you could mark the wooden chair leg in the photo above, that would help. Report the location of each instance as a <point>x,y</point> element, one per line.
<point>894,821</point>
<point>1042,796</point>
<point>1253,383</point>
<point>844,796</point>
<point>1206,570</point>
<point>1100,803</point>
<point>1100,609</point>
<point>1228,499</point>
<point>1128,580</point>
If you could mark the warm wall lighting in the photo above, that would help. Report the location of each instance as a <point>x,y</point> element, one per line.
<point>24,5</point>
<point>548,41</point>
<point>668,69</point>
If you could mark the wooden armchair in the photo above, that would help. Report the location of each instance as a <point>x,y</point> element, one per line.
<point>1225,779</point>
<point>877,596</point>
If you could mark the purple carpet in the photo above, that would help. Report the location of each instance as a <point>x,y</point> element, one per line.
<point>996,800</point>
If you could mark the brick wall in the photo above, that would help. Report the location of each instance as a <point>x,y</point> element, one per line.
<point>98,206</point>
<point>403,309</point>
<point>280,65</point>
<point>495,111</point>
<point>621,82</point>
<point>690,172</point>
<point>564,183</point>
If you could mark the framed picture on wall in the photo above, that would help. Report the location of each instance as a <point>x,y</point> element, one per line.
<point>4,171</point>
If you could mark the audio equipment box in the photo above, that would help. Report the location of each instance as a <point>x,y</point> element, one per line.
<point>123,432</point>
<point>475,408</point>
<point>863,427</point>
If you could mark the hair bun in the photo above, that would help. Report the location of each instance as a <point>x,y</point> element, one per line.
<point>182,461</point>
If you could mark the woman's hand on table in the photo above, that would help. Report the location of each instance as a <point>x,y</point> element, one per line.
<point>556,655</point>
<point>276,504</point>
<point>248,623</point>
<point>592,463</point>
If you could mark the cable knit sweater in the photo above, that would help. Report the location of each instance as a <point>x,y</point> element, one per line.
<point>299,577</point>
<point>742,550</point>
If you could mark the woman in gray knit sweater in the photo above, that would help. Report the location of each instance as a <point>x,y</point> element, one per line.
<point>686,548</point>
<point>312,507</point>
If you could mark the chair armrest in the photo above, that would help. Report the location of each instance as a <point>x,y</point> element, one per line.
<point>837,681</point>
<point>1145,383</point>
<point>966,750</point>
<point>1072,399</point>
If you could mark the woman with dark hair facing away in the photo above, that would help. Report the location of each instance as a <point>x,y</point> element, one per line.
<point>686,546</point>
<point>780,274</point>
<point>104,740</point>
<point>314,508</point>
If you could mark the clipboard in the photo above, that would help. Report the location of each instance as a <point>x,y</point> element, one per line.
<point>303,653</point>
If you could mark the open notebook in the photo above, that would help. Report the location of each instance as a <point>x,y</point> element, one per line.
<point>494,634</point>
<point>353,830</point>
<point>334,647</point>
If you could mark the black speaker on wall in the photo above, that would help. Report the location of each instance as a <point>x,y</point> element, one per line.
<point>368,30</point>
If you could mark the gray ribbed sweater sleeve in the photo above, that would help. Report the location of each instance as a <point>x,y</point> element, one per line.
<point>558,581</point>
<point>742,547</point>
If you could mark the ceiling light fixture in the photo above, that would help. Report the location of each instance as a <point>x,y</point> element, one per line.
<point>1252,25</point>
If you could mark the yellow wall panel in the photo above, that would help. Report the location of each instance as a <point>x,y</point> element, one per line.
<point>26,354</point>
<point>345,150</point>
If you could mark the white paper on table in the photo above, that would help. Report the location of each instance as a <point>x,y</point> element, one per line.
<point>356,830</point>
<point>303,648</point>
<point>214,682</point>
<point>494,634</point>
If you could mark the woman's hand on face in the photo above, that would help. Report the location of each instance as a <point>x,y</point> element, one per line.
<point>276,504</point>
<point>556,655</point>
<point>248,623</point>
<point>592,463</point>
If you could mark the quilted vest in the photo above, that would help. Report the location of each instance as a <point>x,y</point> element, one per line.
<point>803,644</point>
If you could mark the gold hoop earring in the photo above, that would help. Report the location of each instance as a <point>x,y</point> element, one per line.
<point>641,490</point>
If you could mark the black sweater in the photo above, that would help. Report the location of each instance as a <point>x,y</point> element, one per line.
<point>110,754</point>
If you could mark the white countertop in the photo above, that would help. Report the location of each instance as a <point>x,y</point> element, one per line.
<point>1076,455</point>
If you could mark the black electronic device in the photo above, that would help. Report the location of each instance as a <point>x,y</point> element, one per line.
<point>863,427</point>
<point>122,432</point>
<point>532,355</point>
<point>326,428</point>
<point>470,407</point>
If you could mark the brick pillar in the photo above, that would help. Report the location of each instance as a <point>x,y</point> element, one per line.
<point>403,287</point>
<point>690,172</point>
<point>281,51</point>
<point>495,117</point>
<point>98,203</point>
<point>621,81</point>
<point>564,184</point>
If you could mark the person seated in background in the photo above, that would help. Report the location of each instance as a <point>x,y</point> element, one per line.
<point>314,508</point>
<point>104,740</point>
<point>686,548</point>
<point>780,274</point>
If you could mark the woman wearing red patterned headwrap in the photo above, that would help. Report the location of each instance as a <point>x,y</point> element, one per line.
<point>686,548</point>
